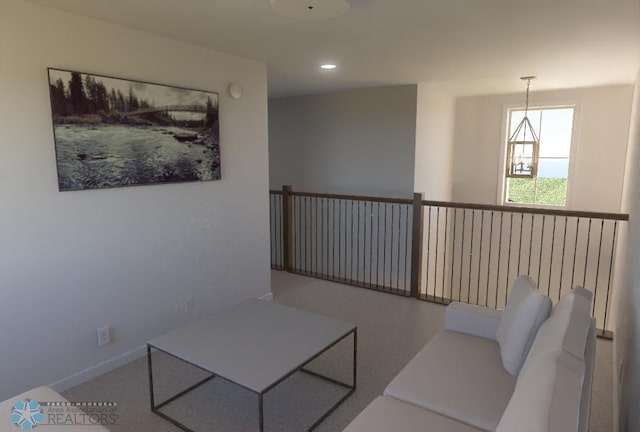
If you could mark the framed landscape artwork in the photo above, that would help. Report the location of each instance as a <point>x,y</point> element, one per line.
<point>112,132</point>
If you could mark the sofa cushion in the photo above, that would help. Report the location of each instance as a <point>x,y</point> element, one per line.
<point>547,396</point>
<point>526,310</point>
<point>387,414</point>
<point>459,376</point>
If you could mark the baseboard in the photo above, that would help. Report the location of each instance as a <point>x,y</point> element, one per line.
<point>267,297</point>
<point>99,369</point>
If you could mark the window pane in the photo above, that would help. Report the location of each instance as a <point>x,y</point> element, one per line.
<point>521,190</point>
<point>553,168</point>
<point>555,129</point>
<point>551,191</point>
<point>555,135</point>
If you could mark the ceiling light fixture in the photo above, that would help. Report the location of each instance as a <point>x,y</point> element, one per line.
<point>328,66</point>
<point>523,146</point>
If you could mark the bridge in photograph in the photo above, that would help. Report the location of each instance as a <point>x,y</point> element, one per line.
<point>168,108</point>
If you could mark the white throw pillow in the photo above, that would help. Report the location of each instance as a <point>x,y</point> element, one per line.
<point>526,310</point>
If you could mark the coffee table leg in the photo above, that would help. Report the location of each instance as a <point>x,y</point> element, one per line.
<point>355,357</point>
<point>261,413</point>
<point>150,369</point>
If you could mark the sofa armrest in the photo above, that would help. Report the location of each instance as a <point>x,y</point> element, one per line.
<point>473,320</point>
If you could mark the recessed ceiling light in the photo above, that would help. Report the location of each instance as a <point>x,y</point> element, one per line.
<point>328,66</point>
<point>311,9</point>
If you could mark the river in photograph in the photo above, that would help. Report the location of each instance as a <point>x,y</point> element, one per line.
<point>102,156</point>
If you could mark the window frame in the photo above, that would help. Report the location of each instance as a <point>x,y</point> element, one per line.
<point>502,178</point>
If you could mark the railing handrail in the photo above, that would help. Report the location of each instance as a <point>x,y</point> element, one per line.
<point>469,206</point>
<point>364,244</point>
<point>530,210</point>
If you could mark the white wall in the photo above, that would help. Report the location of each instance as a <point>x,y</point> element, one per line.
<point>627,340</point>
<point>71,262</point>
<point>600,153</point>
<point>359,141</point>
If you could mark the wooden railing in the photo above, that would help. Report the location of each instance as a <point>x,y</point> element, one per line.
<point>458,252</point>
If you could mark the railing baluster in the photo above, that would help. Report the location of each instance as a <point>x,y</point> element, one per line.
<point>473,228</point>
<point>444,262</point>
<point>586,258</point>
<point>509,252</point>
<point>316,238</point>
<point>541,248</point>
<point>453,250</point>
<point>305,238</point>
<point>377,244</point>
<point>351,254</point>
<point>279,233</point>
<point>564,244</point>
<point>464,225</point>
<point>426,285</point>
<point>553,243</point>
<point>323,245</point>
<point>398,255</point>
<point>520,241</point>
<point>435,267</point>
<point>296,225</point>
<point>613,251</point>
<point>384,248</point>
<point>340,239</point>
<point>530,247</point>
<point>371,245</point>
<point>595,288</point>
<point>486,299</point>
<point>480,255</point>
<point>336,233</point>
<point>406,245</point>
<point>575,253</point>
<point>499,259</point>
<point>358,248</point>
<point>453,254</point>
<point>393,225</point>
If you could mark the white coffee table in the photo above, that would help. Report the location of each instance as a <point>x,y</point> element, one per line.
<point>256,345</point>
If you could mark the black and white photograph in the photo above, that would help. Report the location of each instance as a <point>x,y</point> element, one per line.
<point>112,132</point>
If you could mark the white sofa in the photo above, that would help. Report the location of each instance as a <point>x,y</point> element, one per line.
<point>457,382</point>
<point>46,395</point>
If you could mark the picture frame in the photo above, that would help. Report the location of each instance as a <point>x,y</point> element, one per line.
<point>113,132</point>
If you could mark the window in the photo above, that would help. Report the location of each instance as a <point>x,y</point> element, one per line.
<point>554,127</point>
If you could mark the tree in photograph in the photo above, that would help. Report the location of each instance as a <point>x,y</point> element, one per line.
<point>113,100</point>
<point>77,96</point>
<point>60,106</point>
<point>121,105</point>
<point>133,100</point>
<point>212,113</point>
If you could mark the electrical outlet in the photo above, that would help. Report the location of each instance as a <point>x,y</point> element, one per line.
<point>620,371</point>
<point>104,335</point>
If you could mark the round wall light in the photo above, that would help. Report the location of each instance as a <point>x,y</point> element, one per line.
<point>235,91</point>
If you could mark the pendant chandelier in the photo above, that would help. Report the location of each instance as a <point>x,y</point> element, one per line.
<point>523,145</point>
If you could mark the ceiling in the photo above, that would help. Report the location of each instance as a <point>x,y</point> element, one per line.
<point>468,46</point>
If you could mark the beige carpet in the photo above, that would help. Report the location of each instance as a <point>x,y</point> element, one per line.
<point>391,330</point>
